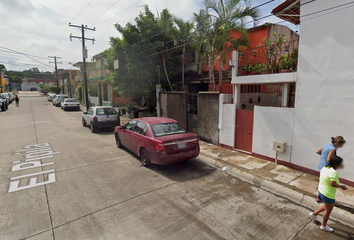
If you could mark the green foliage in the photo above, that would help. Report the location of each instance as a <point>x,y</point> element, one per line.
<point>93,89</point>
<point>44,88</point>
<point>139,54</point>
<point>131,107</point>
<point>213,25</point>
<point>54,89</point>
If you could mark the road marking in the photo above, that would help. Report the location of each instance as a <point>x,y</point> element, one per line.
<point>32,174</point>
<point>30,154</point>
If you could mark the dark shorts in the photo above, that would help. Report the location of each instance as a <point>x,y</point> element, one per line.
<point>326,199</point>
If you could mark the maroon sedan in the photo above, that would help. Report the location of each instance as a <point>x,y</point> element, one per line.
<point>157,140</point>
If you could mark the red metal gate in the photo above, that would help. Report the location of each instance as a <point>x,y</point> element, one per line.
<point>244,130</point>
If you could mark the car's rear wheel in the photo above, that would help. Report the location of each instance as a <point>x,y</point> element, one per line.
<point>93,128</point>
<point>64,109</point>
<point>118,142</point>
<point>84,123</point>
<point>3,108</point>
<point>144,157</point>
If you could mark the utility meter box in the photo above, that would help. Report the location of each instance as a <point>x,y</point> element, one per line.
<point>279,147</point>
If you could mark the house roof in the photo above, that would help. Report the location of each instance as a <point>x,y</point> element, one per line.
<point>97,56</point>
<point>288,11</point>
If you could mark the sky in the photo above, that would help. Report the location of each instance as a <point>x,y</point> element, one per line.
<point>40,27</point>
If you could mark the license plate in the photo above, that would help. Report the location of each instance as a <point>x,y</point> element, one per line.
<point>181,145</point>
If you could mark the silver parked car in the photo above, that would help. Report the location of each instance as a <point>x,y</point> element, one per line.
<point>70,103</point>
<point>100,117</point>
<point>51,96</point>
<point>60,98</point>
<point>11,96</point>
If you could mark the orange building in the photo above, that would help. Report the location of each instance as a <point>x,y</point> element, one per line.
<point>256,35</point>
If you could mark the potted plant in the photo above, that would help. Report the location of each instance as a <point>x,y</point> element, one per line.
<point>285,63</point>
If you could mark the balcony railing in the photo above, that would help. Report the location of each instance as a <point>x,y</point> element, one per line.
<point>277,58</point>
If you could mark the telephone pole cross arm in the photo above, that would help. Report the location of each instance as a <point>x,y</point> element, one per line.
<point>56,69</point>
<point>84,55</point>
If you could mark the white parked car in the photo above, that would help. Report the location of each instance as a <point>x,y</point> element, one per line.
<point>70,103</point>
<point>100,117</point>
<point>60,98</point>
<point>51,96</point>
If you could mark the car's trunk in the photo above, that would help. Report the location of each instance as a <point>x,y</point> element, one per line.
<point>178,143</point>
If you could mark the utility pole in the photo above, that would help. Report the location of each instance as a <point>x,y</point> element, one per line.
<point>84,55</point>
<point>56,70</point>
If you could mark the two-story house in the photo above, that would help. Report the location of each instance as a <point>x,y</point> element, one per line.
<point>304,107</point>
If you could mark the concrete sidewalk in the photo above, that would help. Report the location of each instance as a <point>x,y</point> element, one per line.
<point>297,186</point>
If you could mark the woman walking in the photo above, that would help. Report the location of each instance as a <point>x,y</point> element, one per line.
<point>327,152</point>
<point>329,182</point>
<point>17,100</point>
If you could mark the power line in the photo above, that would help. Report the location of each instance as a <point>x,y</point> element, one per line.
<point>120,12</point>
<point>66,28</point>
<point>17,52</point>
<point>224,20</point>
<point>82,10</point>
<point>27,55</point>
<point>310,14</point>
<point>104,11</point>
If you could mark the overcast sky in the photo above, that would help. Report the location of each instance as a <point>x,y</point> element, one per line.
<point>40,27</point>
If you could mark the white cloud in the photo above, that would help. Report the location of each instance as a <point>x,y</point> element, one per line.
<point>40,27</point>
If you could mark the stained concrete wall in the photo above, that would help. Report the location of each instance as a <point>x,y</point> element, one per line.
<point>324,89</point>
<point>272,124</point>
<point>208,116</point>
<point>174,105</point>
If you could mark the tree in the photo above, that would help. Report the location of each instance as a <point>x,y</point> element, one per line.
<point>206,36</point>
<point>139,53</point>
<point>2,68</point>
<point>216,22</point>
<point>184,37</point>
<point>165,20</point>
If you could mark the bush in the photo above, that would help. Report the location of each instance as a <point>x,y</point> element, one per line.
<point>54,89</point>
<point>131,107</point>
<point>44,88</point>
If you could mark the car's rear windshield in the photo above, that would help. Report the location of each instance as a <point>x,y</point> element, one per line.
<point>106,111</point>
<point>70,100</point>
<point>165,129</point>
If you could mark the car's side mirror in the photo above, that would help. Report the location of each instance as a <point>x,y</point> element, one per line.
<point>122,127</point>
<point>85,113</point>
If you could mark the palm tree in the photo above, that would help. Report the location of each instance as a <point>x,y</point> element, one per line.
<point>184,36</point>
<point>224,16</point>
<point>206,36</point>
<point>166,22</point>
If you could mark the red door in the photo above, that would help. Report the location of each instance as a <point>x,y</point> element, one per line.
<point>244,130</point>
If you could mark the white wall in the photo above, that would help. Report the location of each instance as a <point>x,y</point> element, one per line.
<point>227,126</point>
<point>325,85</point>
<point>272,124</point>
<point>94,101</point>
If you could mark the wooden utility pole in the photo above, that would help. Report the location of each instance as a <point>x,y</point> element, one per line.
<point>84,55</point>
<point>56,70</point>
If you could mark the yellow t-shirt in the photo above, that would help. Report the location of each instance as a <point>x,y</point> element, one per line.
<point>328,174</point>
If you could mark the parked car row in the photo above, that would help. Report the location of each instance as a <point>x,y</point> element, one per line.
<point>155,140</point>
<point>5,100</point>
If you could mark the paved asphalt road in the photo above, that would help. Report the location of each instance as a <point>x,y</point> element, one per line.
<point>101,192</point>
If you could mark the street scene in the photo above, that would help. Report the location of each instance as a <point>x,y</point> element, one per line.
<point>205,119</point>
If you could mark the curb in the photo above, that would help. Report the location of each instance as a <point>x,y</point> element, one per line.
<point>307,201</point>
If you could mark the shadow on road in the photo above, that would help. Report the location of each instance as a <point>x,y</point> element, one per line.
<point>183,171</point>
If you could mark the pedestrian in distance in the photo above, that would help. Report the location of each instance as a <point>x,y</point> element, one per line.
<point>17,100</point>
<point>328,151</point>
<point>329,182</point>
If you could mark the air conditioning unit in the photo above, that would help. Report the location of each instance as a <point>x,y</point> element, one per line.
<point>279,147</point>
